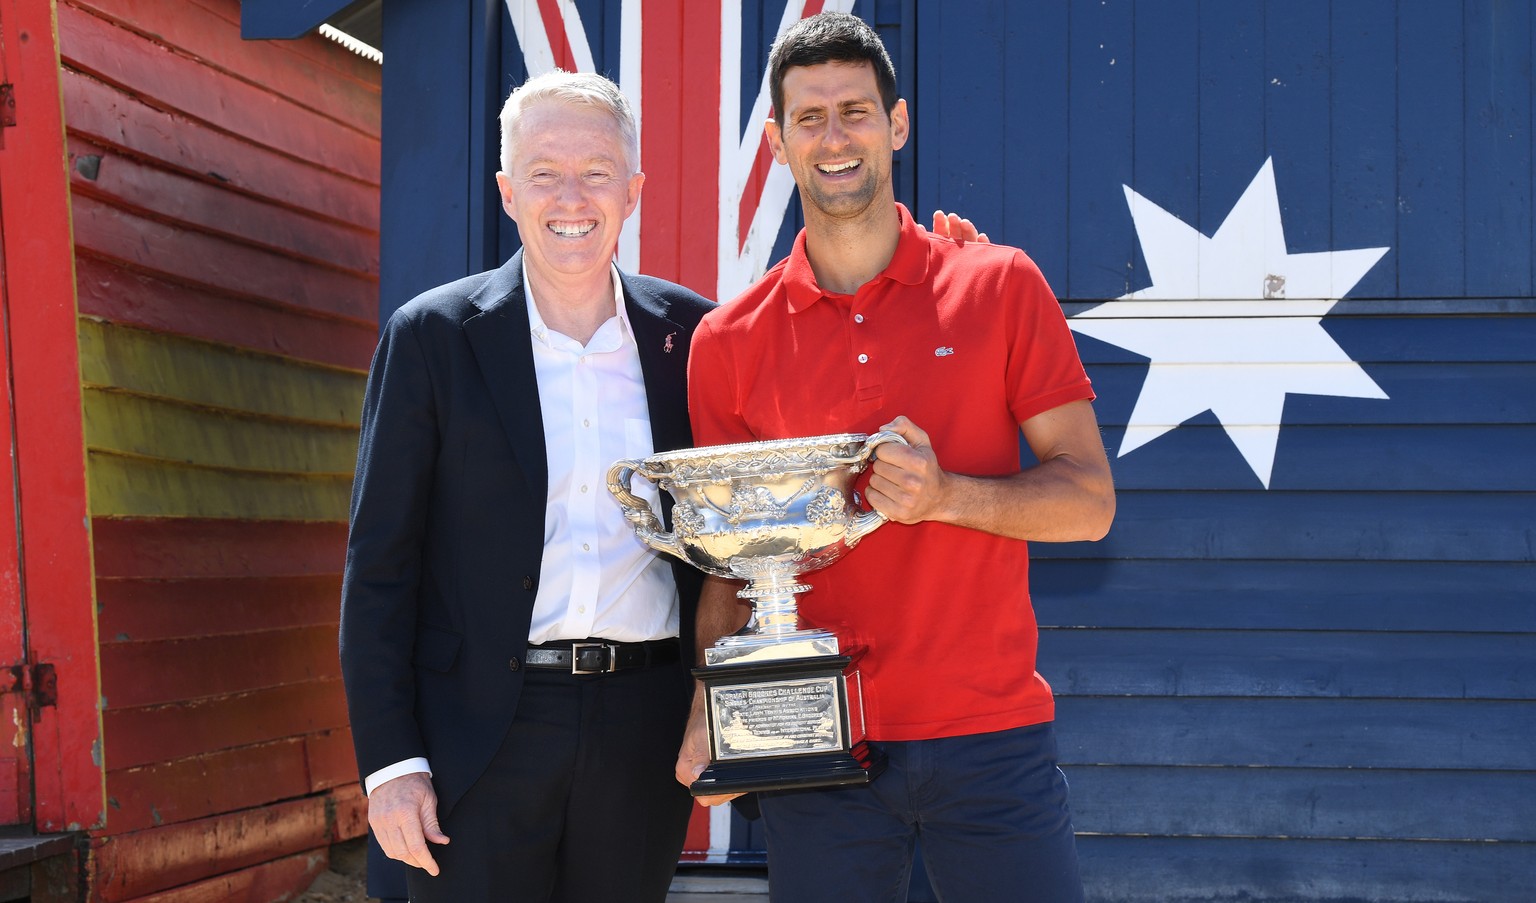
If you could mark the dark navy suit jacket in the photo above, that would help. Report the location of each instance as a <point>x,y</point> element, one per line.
<point>448,516</point>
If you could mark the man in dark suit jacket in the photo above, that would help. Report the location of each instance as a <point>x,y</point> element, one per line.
<point>510,649</point>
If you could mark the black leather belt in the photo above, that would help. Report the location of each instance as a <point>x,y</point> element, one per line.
<point>601,656</point>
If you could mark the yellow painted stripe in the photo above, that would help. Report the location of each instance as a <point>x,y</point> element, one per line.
<point>119,486</point>
<point>203,373</point>
<point>156,428</point>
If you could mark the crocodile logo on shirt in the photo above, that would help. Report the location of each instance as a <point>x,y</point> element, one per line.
<point>941,351</point>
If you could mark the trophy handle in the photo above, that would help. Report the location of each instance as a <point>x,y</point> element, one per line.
<point>871,520</point>
<point>638,512</point>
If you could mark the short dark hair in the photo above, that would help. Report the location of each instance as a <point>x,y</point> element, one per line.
<point>830,37</point>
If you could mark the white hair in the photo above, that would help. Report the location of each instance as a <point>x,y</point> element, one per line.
<point>579,88</point>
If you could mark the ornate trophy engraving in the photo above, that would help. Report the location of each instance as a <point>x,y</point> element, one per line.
<point>782,712</point>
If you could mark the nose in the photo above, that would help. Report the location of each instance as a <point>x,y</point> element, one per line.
<point>569,192</point>
<point>835,135</point>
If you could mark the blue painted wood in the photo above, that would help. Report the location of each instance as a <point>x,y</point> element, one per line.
<point>1294,733</point>
<point>1498,135</point>
<point>1298,870</point>
<point>1431,181</point>
<point>1256,664</point>
<point>1298,86</point>
<point>286,18</point>
<point>1035,138</point>
<point>1232,139</point>
<point>1441,597</point>
<point>1166,137</point>
<point>1100,60</point>
<point>1359,803</point>
<point>1363,120</point>
<point>1328,526</point>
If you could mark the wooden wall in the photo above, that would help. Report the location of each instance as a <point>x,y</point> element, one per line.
<point>225,203</point>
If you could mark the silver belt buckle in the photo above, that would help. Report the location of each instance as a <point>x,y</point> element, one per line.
<point>576,648</point>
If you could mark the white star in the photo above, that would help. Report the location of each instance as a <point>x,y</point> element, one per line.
<point>1232,323</point>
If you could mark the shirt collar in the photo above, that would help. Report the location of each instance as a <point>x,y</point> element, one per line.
<point>909,265</point>
<point>540,329</point>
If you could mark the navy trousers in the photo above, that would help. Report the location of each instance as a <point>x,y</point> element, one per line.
<point>990,809</point>
<point>580,804</point>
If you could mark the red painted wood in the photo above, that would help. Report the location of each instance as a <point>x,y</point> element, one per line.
<point>697,840</point>
<point>56,556</point>
<point>202,206</point>
<point>186,789</point>
<point>109,116</point>
<point>121,295</point>
<point>349,810</point>
<point>136,674</point>
<point>189,547</point>
<point>139,609</point>
<point>231,268</point>
<point>332,762</point>
<point>196,91</point>
<point>351,98</point>
<point>143,862</point>
<point>162,733</point>
<point>269,882</point>
<point>318,50</point>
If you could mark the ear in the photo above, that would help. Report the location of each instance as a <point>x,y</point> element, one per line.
<point>901,126</point>
<point>632,198</point>
<point>504,188</point>
<point>775,137</point>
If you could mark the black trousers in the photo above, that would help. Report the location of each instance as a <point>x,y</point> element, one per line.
<point>580,804</point>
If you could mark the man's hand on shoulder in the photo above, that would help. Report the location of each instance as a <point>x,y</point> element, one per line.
<point>403,815</point>
<point>907,485</point>
<point>953,225</point>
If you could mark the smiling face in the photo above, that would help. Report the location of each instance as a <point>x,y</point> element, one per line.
<point>836,138</point>
<point>569,188</point>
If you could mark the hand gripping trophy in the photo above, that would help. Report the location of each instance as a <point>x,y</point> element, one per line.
<point>782,712</point>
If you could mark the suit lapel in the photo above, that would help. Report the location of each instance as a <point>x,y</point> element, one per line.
<point>663,363</point>
<point>499,336</point>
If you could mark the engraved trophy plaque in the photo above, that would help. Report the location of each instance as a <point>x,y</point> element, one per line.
<point>782,712</point>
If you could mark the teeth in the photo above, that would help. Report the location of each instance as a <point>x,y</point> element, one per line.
<point>837,167</point>
<point>572,230</point>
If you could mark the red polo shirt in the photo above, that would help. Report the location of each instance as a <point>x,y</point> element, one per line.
<point>968,341</point>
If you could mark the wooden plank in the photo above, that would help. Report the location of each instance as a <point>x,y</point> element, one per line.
<point>201,206</point>
<point>318,50</point>
<point>198,259</point>
<point>1359,803</point>
<point>112,292</point>
<point>1436,596</point>
<point>1293,733</point>
<point>1298,870</point>
<point>1400,526</point>
<point>201,373</point>
<point>1034,190</point>
<point>44,374</point>
<point>1498,148</point>
<point>1452,458</point>
<point>281,879</point>
<point>1232,138</point>
<point>349,810</point>
<point>1100,60</point>
<point>1424,394</point>
<point>132,864</point>
<point>107,116</point>
<point>123,486</point>
<point>158,428</point>
<point>136,609</point>
<point>1431,151</point>
<point>188,789</point>
<point>1166,109</point>
<point>1298,84</point>
<point>193,90</point>
<point>178,548</point>
<point>163,733</point>
<point>348,94</point>
<point>165,671</point>
<point>1363,122</point>
<point>332,762</point>
<point>1254,663</point>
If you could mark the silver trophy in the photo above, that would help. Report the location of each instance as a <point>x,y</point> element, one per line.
<point>782,711</point>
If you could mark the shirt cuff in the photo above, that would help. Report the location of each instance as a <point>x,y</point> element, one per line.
<point>390,772</point>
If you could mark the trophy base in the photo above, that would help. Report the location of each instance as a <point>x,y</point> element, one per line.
<point>832,769</point>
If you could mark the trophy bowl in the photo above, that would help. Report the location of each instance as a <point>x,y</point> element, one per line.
<point>763,512</point>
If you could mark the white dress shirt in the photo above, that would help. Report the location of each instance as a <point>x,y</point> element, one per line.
<point>596,579</point>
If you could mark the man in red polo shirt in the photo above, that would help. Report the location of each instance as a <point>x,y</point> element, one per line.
<point>873,323</point>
